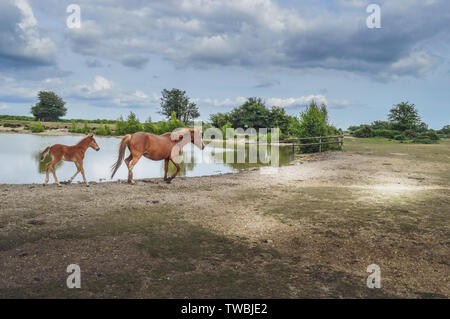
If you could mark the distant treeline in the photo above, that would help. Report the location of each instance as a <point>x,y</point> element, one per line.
<point>129,126</point>
<point>31,118</point>
<point>403,124</point>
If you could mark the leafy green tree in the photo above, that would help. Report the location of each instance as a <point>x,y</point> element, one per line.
<point>253,113</point>
<point>313,122</point>
<point>404,116</point>
<point>176,101</point>
<point>224,128</point>
<point>133,124</point>
<point>190,113</point>
<point>445,130</point>
<point>279,118</point>
<point>49,108</point>
<point>220,119</point>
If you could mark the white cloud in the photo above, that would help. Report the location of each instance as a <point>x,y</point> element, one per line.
<point>226,102</point>
<point>34,45</point>
<point>296,101</point>
<point>417,64</point>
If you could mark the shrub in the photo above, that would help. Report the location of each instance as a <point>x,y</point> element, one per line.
<point>431,134</point>
<point>12,125</point>
<point>354,128</point>
<point>108,130</point>
<point>386,133</point>
<point>37,128</point>
<point>364,131</point>
<point>121,127</point>
<point>73,127</point>
<point>410,134</point>
<point>150,127</point>
<point>400,137</point>
<point>445,131</point>
<point>423,140</point>
<point>86,128</point>
<point>229,126</point>
<point>100,130</point>
<point>381,125</point>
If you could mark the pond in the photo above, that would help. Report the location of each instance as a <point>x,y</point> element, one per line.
<point>19,160</point>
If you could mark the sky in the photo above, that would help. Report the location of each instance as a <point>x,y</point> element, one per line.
<point>125,52</point>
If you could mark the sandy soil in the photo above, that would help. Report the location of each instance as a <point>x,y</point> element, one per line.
<point>310,230</point>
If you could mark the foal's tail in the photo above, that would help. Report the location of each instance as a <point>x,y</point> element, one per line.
<point>44,153</point>
<point>123,145</point>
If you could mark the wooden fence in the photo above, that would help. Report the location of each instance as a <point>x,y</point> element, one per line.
<point>323,140</point>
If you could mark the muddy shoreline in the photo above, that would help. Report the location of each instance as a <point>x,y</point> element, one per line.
<point>310,230</point>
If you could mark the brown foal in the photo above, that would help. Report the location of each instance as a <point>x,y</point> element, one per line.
<point>165,147</point>
<point>73,153</point>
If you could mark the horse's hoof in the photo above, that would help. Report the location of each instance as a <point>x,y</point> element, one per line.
<point>87,185</point>
<point>168,181</point>
<point>132,183</point>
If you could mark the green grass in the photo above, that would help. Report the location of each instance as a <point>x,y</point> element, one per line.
<point>384,147</point>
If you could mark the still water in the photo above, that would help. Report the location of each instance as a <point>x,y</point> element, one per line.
<point>19,160</point>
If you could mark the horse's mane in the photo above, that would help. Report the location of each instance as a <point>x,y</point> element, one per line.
<point>83,141</point>
<point>185,129</point>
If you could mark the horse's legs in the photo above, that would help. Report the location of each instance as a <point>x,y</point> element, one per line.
<point>133,162</point>
<point>78,170</point>
<point>128,159</point>
<point>166,168</point>
<point>47,168</point>
<point>53,163</point>
<point>82,173</point>
<point>176,173</point>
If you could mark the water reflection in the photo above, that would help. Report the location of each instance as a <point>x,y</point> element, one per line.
<point>19,160</point>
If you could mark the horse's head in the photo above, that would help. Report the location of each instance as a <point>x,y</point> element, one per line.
<point>93,143</point>
<point>196,139</point>
<point>185,136</point>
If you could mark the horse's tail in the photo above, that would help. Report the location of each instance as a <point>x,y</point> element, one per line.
<point>123,145</point>
<point>44,153</point>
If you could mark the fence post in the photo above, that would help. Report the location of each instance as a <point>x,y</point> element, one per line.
<point>320,144</point>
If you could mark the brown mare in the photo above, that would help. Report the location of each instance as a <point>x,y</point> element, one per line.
<point>165,147</point>
<point>74,153</point>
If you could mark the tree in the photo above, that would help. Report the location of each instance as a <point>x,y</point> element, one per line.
<point>49,108</point>
<point>191,113</point>
<point>176,101</point>
<point>220,119</point>
<point>445,130</point>
<point>253,113</point>
<point>404,116</point>
<point>279,118</point>
<point>313,122</point>
<point>133,124</point>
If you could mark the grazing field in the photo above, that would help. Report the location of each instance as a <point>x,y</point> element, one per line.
<point>309,231</point>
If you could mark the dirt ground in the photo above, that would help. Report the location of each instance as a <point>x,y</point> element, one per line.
<point>309,231</point>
